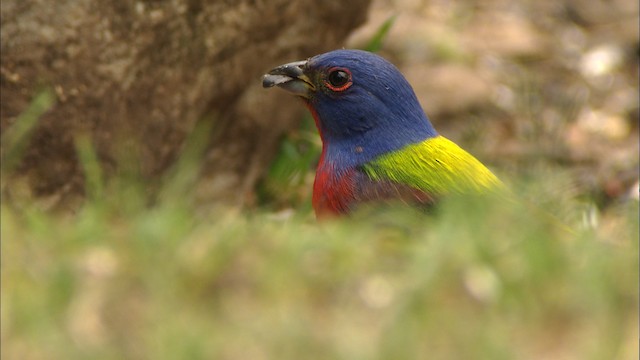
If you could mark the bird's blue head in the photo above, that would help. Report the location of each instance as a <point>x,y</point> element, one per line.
<point>362,104</point>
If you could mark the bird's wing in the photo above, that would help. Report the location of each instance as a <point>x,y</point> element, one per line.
<point>435,166</point>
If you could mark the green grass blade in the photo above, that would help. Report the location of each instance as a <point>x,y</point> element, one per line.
<point>88,158</point>
<point>16,138</point>
<point>375,44</point>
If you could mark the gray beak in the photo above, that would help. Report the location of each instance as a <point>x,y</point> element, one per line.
<point>290,77</point>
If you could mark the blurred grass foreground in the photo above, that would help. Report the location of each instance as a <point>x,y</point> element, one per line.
<point>474,279</point>
<point>471,281</point>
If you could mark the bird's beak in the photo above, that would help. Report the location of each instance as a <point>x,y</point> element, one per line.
<point>290,77</point>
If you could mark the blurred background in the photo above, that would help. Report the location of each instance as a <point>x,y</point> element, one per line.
<point>526,86</point>
<point>156,200</point>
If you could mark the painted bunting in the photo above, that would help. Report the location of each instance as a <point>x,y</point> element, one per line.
<point>377,142</point>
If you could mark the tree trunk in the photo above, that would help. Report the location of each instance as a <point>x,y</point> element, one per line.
<point>138,76</point>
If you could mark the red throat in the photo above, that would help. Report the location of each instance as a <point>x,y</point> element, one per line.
<point>332,191</point>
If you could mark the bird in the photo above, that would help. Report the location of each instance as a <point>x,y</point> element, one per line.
<point>378,145</point>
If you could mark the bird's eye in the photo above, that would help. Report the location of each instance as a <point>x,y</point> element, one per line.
<point>339,79</point>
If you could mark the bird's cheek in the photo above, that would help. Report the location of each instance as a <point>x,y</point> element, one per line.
<point>316,117</point>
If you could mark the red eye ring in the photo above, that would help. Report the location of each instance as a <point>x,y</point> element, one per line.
<point>338,79</point>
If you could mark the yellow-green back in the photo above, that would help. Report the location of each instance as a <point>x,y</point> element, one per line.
<point>436,165</point>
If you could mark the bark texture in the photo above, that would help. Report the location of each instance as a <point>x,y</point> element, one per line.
<point>138,76</point>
